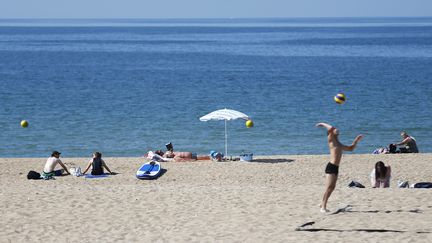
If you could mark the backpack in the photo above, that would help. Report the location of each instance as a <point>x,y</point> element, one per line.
<point>33,175</point>
<point>422,185</point>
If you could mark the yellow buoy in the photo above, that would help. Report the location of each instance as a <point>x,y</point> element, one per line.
<point>24,123</point>
<point>249,123</point>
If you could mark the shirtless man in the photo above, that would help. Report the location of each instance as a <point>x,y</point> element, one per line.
<point>180,156</point>
<point>336,149</point>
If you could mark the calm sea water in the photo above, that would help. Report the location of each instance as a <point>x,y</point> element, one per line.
<point>124,87</point>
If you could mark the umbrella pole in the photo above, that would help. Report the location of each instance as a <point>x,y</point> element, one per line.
<point>226,140</point>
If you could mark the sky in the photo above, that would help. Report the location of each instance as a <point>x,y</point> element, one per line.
<point>213,8</point>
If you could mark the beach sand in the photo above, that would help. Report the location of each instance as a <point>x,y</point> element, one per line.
<point>260,201</point>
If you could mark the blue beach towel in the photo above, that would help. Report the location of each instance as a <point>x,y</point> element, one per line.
<point>96,176</point>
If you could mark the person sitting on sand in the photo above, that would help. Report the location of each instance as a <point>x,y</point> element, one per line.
<point>51,163</point>
<point>409,144</point>
<point>380,176</point>
<point>97,164</point>
<point>332,168</point>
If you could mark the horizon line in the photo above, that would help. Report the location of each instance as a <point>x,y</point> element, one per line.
<point>210,18</point>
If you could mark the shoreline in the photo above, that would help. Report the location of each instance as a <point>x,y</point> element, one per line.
<point>254,156</point>
<point>265,200</point>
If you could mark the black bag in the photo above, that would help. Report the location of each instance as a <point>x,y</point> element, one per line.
<point>423,185</point>
<point>392,148</point>
<point>355,184</point>
<point>33,175</point>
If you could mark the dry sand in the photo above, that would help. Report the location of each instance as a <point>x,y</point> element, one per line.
<point>261,201</point>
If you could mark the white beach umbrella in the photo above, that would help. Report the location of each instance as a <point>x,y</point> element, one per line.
<point>226,115</point>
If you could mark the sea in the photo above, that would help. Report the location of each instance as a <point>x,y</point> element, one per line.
<point>124,87</point>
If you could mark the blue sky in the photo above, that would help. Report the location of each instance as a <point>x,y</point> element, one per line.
<point>212,8</point>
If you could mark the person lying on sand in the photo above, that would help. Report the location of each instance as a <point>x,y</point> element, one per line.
<point>177,156</point>
<point>332,169</point>
<point>161,156</point>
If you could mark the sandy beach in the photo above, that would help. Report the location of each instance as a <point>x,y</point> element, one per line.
<point>266,200</point>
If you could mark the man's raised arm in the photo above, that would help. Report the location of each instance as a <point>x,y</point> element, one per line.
<point>354,144</point>
<point>325,125</point>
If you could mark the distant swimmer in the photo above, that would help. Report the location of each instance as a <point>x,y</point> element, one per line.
<point>332,169</point>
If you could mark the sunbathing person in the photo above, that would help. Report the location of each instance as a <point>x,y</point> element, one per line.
<point>97,164</point>
<point>161,156</point>
<point>380,176</point>
<point>180,156</point>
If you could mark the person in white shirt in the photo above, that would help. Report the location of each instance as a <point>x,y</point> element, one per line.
<point>381,175</point>
<point>51,163</point>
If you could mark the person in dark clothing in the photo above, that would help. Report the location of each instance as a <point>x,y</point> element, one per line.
<point>97,164</point>
<point>408,145</point>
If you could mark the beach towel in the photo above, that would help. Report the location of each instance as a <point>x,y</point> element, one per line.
<point>153,156</point>
<point>382,150</point>
<point>96,176</point>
